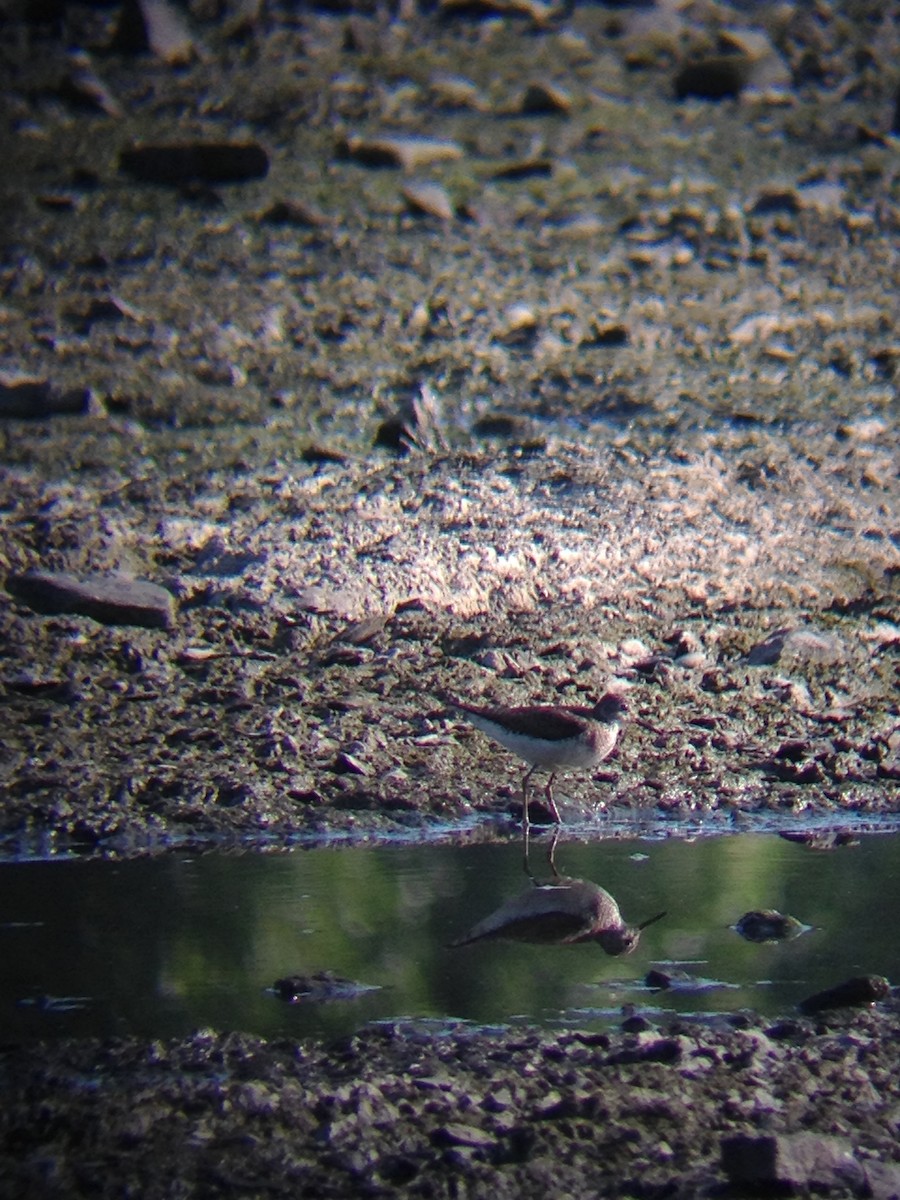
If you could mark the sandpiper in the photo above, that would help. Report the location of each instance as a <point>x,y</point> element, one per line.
<point>552,736</point>
<point>563,911</point>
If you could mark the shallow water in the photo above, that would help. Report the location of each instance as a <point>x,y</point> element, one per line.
<point>161,947</point>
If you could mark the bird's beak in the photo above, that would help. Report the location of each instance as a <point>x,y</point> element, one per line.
<point>658,917</point>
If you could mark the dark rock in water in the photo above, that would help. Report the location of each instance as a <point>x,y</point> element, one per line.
<point>190,162</point>
<point>768,925</point>
<point>826,840</point>
<point>109,599</point>
<point>861,989</point>
<point>322,986</point>
<point>660,980</point>
<point>791,1161</point>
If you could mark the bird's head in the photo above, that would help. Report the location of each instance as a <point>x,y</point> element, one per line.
<point>610,708</point>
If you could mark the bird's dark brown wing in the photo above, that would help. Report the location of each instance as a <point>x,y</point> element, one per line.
<point>551,723</point>
<point>543,929</point>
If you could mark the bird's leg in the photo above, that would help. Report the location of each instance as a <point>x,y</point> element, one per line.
<point>551,803</point>
<point>528,775</point>
<point>551,854</point>
<point>526,841</point>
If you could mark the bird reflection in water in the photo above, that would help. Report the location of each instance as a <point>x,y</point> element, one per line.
<point>561,911</point>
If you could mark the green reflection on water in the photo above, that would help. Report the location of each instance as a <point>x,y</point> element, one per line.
<point>165,946</point>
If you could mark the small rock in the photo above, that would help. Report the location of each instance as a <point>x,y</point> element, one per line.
<point>323,455</point>
<point>713,78</point>
<point>33,398</point>
<point>830,839</point>
<point>519,326</point>
<point>539,12</point>
<point>360,633</point>
<point>651,1048</point>
<point>606,333</point>
<point>346,764</point>
<point>318,598</point>
<point>545,99</point>
<point>317,988</point>
<point>536,167</point>
<point>808,644</point>
<point>860,990</point>
<point>293,212</point>
<point>157,26</point>
<point>457,1134</point>
<point>399,151</point>
<point>776,198</point>
<point>112,600</point>
<point>429,199</point>
<point>768,925</point>
<point>189,162</point>
<point>660,980</point>
<point>795,1161</point>
<point>454,91</point>
<point>500,425</point>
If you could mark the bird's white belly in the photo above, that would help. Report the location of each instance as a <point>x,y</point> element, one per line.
<point>573,752</point>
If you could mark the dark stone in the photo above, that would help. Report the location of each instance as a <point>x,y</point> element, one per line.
<point>798,1160</point>
<point>861,989</point>
<point>662,1050</point>
<point>36,398</point>
<point>108,599</point>
<point>767,925</point>
<point>714,78</point>
<point>190,162</point>
<point>317,988</point>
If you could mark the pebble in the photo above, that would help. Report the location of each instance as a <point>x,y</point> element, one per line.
<point>545,99</point>
<point>399,151</point>
<point>295,213</point>
<point>808,644</point>
<point>519,325</point>
<point>429,199</point>
<point>457,1134</point>
<point>455,91</point>
<point>157,26</point>
<point>110,599</point>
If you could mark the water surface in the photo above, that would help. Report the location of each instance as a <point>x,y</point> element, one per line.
<point>161,947</point>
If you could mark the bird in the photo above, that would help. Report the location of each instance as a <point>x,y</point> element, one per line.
<point>561,911</point>
<point>552,736</point>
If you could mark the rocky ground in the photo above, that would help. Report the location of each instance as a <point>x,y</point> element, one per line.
<point>500,354</point>
<point>687,1111</point>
